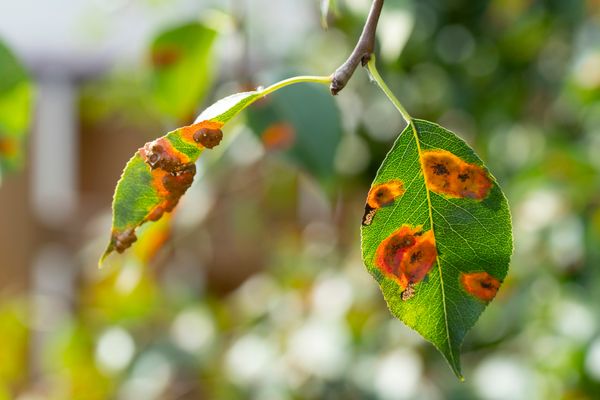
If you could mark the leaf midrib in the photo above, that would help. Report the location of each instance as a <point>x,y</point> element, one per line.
<point>437,258</point>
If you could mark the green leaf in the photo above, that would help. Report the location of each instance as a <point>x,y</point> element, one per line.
<point>182,69</point>
<point>327,7</point>
<point>160,173</point>
<point>301,123</point>
<point>436,235</point>
<point>16,98</point>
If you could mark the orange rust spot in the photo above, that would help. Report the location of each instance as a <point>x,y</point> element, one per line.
<point>161,154</point>
<point>480,284</point>
<point>170,186</point>
<point>407,256</point>
<point>165,56</point>
<point>187,132</point>
<point>279,136</point>
<point>384,194</point>
<point>447,174</point>
<point>381,195</point>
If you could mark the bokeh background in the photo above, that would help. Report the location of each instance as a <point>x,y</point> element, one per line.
<point>255,288</point>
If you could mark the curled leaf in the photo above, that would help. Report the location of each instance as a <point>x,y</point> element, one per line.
<point>161,171</point>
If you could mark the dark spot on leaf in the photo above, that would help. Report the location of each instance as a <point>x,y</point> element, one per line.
<point>408,293</point>
<point>161,154</point>
<point>176,184</point>
<point>440,169</point>
<point>156,214</point>
<point>208,137</point>
<point>416,256</point>
<point>368,215</point>
<point>122,241</point>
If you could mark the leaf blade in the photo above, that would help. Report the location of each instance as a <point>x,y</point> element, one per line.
<point>440,309</point>
<point>151,186</point>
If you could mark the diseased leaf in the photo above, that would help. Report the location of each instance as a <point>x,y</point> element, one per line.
<point>182,69</point>
<point>436,235</point>
<point>16,97</point>
<point>303,124</point>
<point>159,173</point>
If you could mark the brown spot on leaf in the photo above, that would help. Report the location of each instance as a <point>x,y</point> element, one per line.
<point>480,285</point>
<point>156,214</point>
<point>123,240</point>
<point>160,154</point>
<point>407,255</point>
<point>208,137</point>
<point>368,215</point>
<point>447,174</point>
<point>381,195</point>
<point>187,132</point>
<point>278,136</point>
<point>408,293</point>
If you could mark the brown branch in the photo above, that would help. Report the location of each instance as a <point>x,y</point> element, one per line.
<point>361,53</point>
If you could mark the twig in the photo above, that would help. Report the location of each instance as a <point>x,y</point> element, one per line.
<point>361,53</point>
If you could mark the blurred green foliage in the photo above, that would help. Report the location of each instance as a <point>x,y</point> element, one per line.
<point>16,103</point>
<point>261,292</point>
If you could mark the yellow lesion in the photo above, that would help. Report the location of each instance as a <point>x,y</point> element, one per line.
<point>447,174</point>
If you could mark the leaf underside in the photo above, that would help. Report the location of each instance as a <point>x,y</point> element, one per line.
<point>436,235</point>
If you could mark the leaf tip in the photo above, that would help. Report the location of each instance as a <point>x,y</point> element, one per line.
<point>109,249</point>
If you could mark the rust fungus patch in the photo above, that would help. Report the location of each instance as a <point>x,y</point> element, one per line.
<point>123,240</point>
<point>407,256</point>
<point>208,137</point>
<point>278,136</point>
<point>480,285</point>
<point>160,154</point>
<point>381,195</point>
<point>170,186</point>
<point>447,174</point>
<point>408,293</point>
<point>194,133</point>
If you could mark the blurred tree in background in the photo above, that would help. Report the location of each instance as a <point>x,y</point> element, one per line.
<point>255,287</point>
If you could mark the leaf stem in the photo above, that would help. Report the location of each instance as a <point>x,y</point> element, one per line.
<point>390,95</point>
<point>325,80</point>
